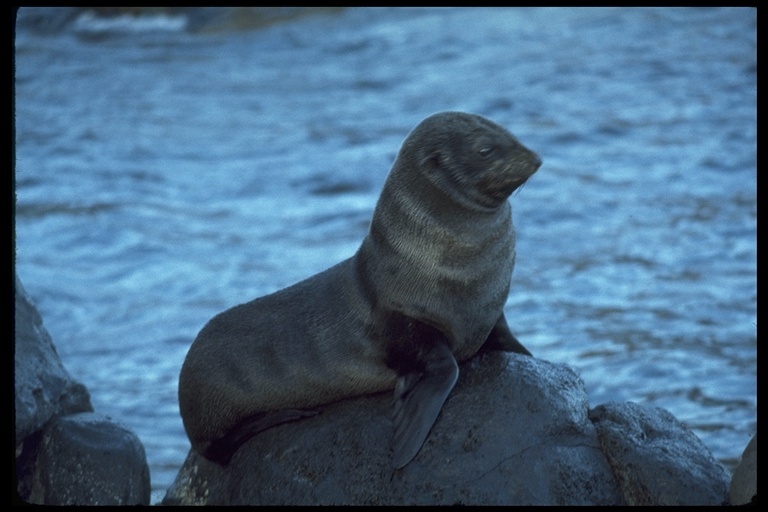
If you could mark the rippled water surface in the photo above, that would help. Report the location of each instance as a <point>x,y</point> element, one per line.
<point>170,166</point>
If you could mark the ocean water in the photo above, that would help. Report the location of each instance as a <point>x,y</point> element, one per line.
<point>172,163</point>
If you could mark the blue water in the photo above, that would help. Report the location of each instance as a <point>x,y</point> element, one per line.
<point>172,165</point>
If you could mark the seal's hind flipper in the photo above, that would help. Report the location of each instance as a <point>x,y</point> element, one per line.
<point>419,396</point>
<point>222,450</point>
<point>501,338</point>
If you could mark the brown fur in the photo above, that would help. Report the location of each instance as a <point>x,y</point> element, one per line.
<point>439,255</point>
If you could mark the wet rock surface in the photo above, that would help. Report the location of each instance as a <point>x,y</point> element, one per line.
<point>655,459</point>
<point>515,431</point>
<point>65,454</point>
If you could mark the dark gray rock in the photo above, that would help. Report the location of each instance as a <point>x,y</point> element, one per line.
<point>66,455</point>
<point>656,460</point>
<point>44,388</point>
<point>86,459</point>
<point>744,482</point>
<point>515,430</point>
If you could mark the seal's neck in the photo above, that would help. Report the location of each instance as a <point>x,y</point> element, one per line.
<point>421,223</point>
<point>413,202</point>
<point>429,260</point>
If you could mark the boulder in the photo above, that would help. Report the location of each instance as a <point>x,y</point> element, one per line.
<point>86,459</point>
<point>656,460</point>
<point>44,388</point>
<point>65,455</point>
<point>515,431</point>
<point>743,487</point>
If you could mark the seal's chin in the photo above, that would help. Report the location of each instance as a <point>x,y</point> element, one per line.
<point>498,191</point>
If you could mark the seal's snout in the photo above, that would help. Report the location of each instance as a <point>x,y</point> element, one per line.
<point>519,165</point>
<point>530,164</point>
<point>535,161</point>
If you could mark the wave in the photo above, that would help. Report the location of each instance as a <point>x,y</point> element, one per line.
<point>104,21</point>
<point>90,22</point>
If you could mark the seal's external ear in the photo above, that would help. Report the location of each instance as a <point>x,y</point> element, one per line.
<point>432,159</point>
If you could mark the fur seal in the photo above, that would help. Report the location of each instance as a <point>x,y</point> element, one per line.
<point>426,289</point>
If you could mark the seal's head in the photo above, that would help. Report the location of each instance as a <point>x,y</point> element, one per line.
<point>475,161</point>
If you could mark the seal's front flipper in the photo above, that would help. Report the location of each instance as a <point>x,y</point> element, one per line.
<point>419,396</point>
<point>501,338</point>
<point>222,450</point>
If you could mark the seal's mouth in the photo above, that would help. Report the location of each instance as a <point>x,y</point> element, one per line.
<point>502,190</point>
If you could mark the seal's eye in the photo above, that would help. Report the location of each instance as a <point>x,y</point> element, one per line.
<point>485,151</point>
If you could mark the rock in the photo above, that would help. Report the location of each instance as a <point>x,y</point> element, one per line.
<point>86,459</point>
<point>656,459</point>
<point>44,388</point>
<point>65,455</point>
<point>515,430</point>
<point>744,482</point>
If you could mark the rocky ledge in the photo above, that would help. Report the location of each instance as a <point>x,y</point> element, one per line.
<point>515,431</point>
<point>65,453</point>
